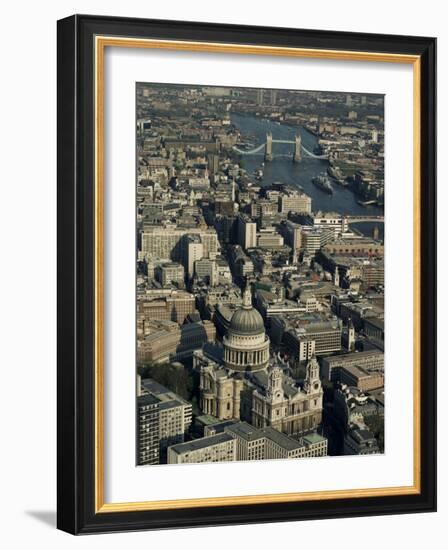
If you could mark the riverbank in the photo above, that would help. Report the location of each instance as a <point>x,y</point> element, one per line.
<point>299,174</point>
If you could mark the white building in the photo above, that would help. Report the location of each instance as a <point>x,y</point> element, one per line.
<point>216,448</point>
<point>194,251</point>
<point>247,232</point>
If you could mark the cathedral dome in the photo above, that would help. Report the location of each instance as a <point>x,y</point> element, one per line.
<point>246,346</point>
<point>246,321</point>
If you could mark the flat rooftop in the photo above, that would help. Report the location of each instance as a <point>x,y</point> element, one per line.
<point>202,443</point>
<point>313,438</point>
<point>246,431</point>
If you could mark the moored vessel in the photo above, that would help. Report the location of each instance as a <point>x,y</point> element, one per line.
<point>323,183</point>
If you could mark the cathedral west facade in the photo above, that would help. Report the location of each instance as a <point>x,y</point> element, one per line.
<point>244,382</point>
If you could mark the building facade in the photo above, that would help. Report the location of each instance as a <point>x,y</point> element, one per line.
<point>169,273</point>
<point>371,361</point>
<point>147,430</point>
<point>174,415</point>
<point>174,342</point>
<point>294,201</point>
<point>216,448</point>
<point>169,242</point>
<point>175,306</point>
<point>247,232</point>
<point>325,335</point>
<point>268,443</point>
<point>288,411</point>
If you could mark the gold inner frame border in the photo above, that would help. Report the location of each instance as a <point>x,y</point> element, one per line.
<point>101,42</point>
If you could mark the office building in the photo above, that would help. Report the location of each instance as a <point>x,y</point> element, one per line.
<point>147,430</point>
<point>314,238</point>
<point>371,361</point>
<point>194,251</point>
<point>292,233</point>
<point>168,242</point>
<point>361,378</point>
<point>247,232</point>
<point>216,448</point>
<point>306,335</point>
<point>174,306</point>
<point>207,270</point>
<point>269,238</point>
<point>270,444</point>
<point>174,342</point>
<point>360,441</point>
<point>327,221</point>
<point>175,414</point>
<point>169,273</point>
<point>294,201</point>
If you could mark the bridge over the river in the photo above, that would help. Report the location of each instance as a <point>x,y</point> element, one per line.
<point>361,219</point>
<point>266,149</point>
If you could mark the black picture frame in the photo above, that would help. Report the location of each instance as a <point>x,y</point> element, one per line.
<point>76,254</point>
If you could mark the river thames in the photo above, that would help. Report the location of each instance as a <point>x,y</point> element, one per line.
<point>282,169</point>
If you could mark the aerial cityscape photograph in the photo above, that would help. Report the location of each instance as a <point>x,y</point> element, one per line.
<point>259,274</point>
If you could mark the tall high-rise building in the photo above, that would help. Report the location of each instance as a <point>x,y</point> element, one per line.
<point>247,232</point>
<point>293,234</point>
<point>174,414</point>
<point>194,251</point>
<point>147,430</point>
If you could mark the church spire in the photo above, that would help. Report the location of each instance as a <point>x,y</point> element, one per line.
<point>247,296</point>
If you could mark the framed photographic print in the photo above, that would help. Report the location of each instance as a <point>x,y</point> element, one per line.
<point>246,272</point>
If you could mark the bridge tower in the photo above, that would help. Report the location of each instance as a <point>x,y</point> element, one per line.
<point>297,149</point>
<point>268,150</point>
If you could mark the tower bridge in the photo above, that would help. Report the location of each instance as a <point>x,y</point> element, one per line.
<point>266,149</point>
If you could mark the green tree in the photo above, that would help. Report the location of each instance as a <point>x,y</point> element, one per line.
<point>175,378</point>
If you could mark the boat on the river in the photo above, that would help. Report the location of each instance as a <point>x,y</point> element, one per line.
<point>336,175</point>
<point>367,203</point>
<point>323,183</point>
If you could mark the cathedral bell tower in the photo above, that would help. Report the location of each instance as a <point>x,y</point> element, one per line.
<point>275,377</point>
<point>312,380</point>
